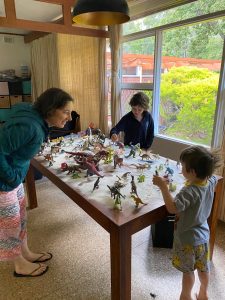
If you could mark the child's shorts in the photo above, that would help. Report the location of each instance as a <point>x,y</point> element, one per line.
<point>187,258</point>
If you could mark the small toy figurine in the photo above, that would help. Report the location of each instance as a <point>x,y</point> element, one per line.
<point>178,164</point>
<point>167,162</point>
<point>133,150</point>
<point>137,200</point>
<point>169,171</point>
<point>160,167</point>
<point>71,169</point>
<point>145,156</point>
<point>124,176</point>
<point>75,175</point>
<point>96,184</point>
<point>117,161</point>
<point>172,187</point>
<point>50,163</point>
<point>119,183</point>
<point>115,193</point>
<point>141,178</point>
<point>156,173</point>
<point>133,186</point>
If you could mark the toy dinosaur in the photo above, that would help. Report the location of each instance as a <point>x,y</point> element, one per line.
<point>133,150</point>
<point>71,169</point>
<point>125,175</point>
<point>133,186</point>
<point>117,161</point>
<point>115,193</point>
<point>91,168</point>
<point>75,175</point>
<point>142,166</point>
<point>145,156</point>
<point>96,184</point>
<point>137,200</point>
<point>141,178</point>
<point>169,171</point>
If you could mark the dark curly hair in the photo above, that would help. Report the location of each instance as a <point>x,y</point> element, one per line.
<point>201,160</point>
<point>140,99</point>
<point>50,100</point>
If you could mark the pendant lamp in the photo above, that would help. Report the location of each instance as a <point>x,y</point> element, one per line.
<point>100,12</point>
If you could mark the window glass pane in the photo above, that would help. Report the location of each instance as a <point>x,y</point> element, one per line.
<point>179,13</point>
<point>138,61</point>
<point>126,96</point>
<point>191,65</point>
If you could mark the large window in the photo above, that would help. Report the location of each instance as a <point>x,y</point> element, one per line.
<point>179,13</point>
<point>185,86</point>
<point>190,71</point>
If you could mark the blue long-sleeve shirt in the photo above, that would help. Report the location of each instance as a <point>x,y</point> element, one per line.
<point>136,131</point>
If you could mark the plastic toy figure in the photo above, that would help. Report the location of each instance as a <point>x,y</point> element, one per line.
<point>133,150</point>
<point>125,175</point>
<point>161,167</point>
<point>172,187</point>
<point>115,193</point>
<point>141,178</point>
<point>50,164</point>
<point>133,186</point>
<point>145,156</point>
<point>117,161</point>
<point>71,169</point>
<point>169,171</point>
<point>91,168</point>
<point>167,162</point>
<point>96,184</point>
<point>137,200</point>
<point>75,175</point>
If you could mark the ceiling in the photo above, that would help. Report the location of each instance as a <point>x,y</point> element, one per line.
<point>46,11</point>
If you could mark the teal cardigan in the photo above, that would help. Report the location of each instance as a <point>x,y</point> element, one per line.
<point>21,137</point>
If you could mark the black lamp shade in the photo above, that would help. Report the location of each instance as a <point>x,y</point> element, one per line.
<point>100,12</point>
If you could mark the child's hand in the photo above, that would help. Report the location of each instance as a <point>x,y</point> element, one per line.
<point>159,181</point>
<point>114,137</point>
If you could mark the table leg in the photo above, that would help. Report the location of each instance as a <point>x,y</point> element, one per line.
<point>120,250</point>
<point>30,188</point>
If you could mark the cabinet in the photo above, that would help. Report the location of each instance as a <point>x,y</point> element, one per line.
<point>14,91</point>
<point>4,95</point>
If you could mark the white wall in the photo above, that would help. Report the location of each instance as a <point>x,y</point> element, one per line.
<point>168,148</point>
<point>15,54</point>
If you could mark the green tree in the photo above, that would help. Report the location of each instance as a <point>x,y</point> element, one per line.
<point>199,41</point>
<point>188,101</point>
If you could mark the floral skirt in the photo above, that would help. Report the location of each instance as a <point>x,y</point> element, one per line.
<point>13,222</point>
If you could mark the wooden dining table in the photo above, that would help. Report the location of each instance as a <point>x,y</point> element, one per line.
<point>120,224</point>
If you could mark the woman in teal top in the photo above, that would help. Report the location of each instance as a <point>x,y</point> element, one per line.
<point>21,137</point>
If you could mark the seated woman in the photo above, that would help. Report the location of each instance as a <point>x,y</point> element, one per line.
<point>72,126</point>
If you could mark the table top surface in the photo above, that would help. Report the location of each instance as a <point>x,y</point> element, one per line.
<point>100,198</point>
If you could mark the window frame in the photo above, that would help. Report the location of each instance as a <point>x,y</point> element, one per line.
<point>219,117</point>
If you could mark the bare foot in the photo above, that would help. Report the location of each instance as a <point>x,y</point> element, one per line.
<point>30,268</point>
<point>37,257</point>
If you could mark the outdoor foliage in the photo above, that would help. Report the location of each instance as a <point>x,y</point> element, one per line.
<point>188,101</point>
<point>185,41</point>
